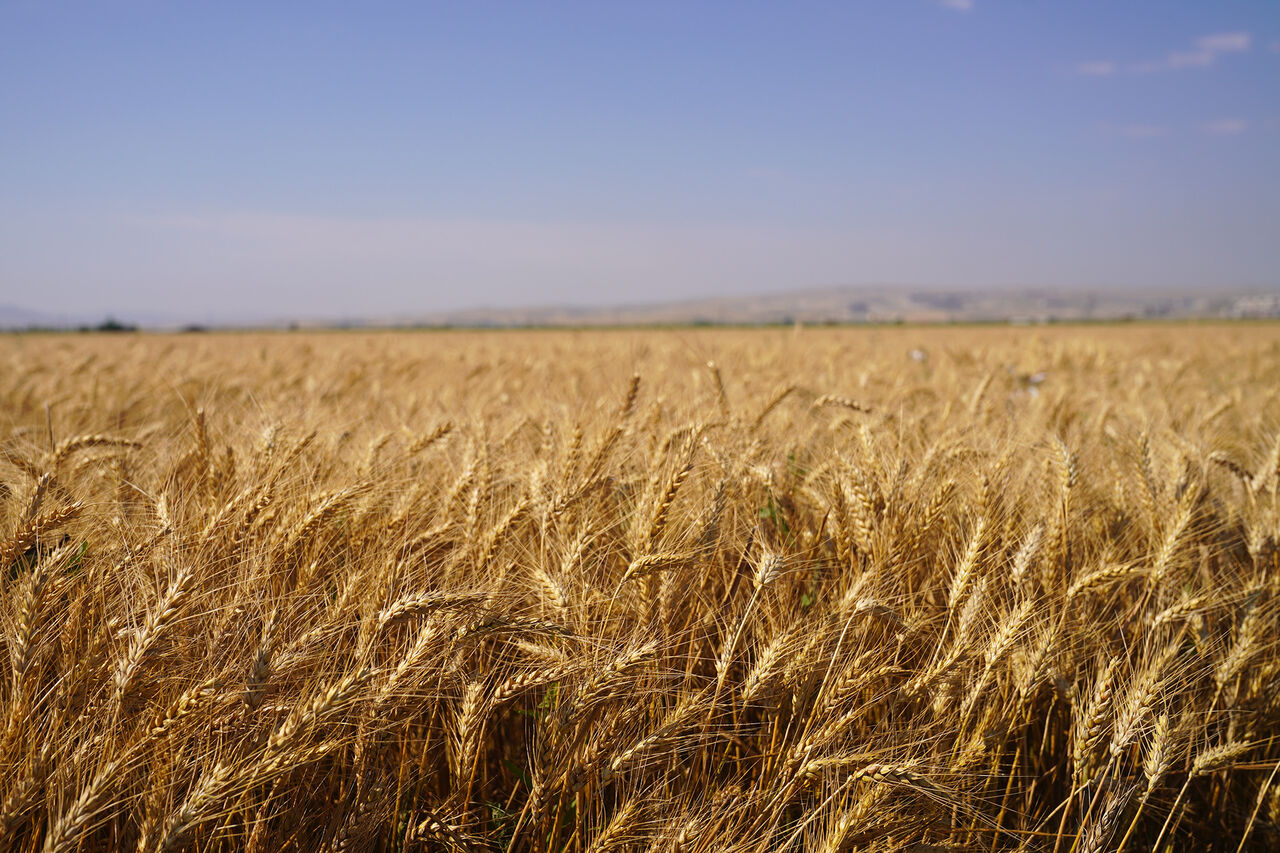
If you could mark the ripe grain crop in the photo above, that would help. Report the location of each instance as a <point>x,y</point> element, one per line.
<point>770,590</point>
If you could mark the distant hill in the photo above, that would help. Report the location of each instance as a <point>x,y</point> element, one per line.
<point>886,305</point>
<point>18,317</point>
<point>832,305</point>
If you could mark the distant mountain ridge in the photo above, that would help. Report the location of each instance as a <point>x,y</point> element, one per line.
<point>887,305</point>
<point>830,305</point>
<point>16,317</point>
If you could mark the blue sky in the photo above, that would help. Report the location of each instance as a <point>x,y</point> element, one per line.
<point>329,159</point>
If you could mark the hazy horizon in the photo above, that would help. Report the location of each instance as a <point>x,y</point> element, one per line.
<point>324,161</point>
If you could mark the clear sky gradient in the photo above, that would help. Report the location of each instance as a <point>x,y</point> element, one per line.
<point>335,159</point>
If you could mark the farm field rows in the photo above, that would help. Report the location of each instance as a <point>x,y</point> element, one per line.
<point>686,590</point>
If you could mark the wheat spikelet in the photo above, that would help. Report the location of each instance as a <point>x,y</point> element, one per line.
<point>608,681</point>
<point>160,618</point>
<point>721,397</point>
<point>1177,612</point>
<point>259,674</point>
<point>69,446</point>
<point>662,505</point>
<point>931,675</point>
<point>415,606</point>
<point>868,805</point>
<point>1270,470</point>
<point>222,783</point>
<point>1002,643</point>
<point>327,506</point>
<point>38,493</point>
<point>711,527</point>
<point>1099,578</point>
<point>774,401</point>
<point>895,774</point>
<point>22,646</point>
<point>998,648</point>
<point>932,514</point>
<point>467,721</point>
<point>211,789</point>
<point>138,552</point>
<point>1172,539</point>
<point>428,639</point>
<point>1139,702</point>
<point>1092,722</point>
<point>523,682</point>
<point>1225,461</point>
<point>962,580</point>
<point>66,832</point>
<point>492,539</point>
<point>1070,465</point>
<point>1159,756</point>
<point>199,457</point>
<point>1038,662</point>
<point>180,709</point>
<point>261,501</point>
<point>301,719</point>
<point>767,668</point>
<point>26,465</point>
<point>1218,757</point>
<point>1241,650</point>
<point>429,538</point>
<point>1026,556</point>
<point>218,520</point>
<point>975,399</point>
<point>497,623</point>
<point>862,514</point>
<point>614,834</point>
<point>435,828</point>
<point>425,440</point>
<point>1151,491</point>
<point>836,400</point>
<point>652,563</point>
<point>22,793</point>
<point>856,677</point>
<point>29,532</point>
<point>666,736</point>
<point>1097,834</point>
<point>551,591</point>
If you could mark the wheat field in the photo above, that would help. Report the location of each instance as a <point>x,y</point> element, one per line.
<point>704,590</point>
